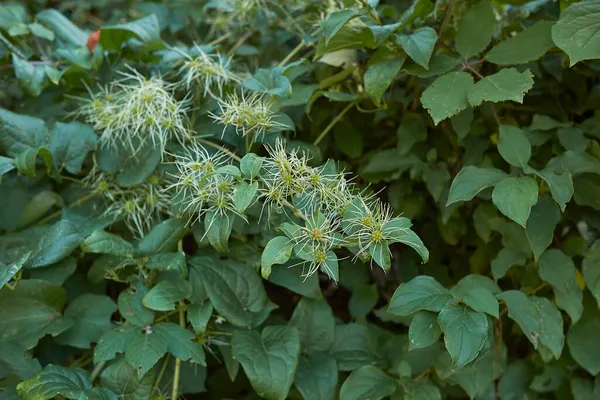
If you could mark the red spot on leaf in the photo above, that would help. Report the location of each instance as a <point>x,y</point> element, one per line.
<point>93,40</point>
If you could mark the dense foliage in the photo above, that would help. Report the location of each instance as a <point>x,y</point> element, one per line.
<point>302,199</point>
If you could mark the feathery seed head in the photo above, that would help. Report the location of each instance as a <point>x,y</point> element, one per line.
<point>208,71</point>
<point>249,114</point>
<point>135,110</point>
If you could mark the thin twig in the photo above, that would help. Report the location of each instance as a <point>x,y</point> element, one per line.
<point>219,147</point>
<point>9,66</point>
<point>161,373</point>
<point>219,39</point>
<point>340,76</point>
<point>177,371</point>
<point>333,122</point>
<point>240,42</point>
<point>74,204</point>
<point>292,54</point>
<point>97,370</point>
<point>473,70</point>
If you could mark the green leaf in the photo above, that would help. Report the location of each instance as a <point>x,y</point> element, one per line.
<point>419,45</point>
<point>363,300</point>
<point>165,294</point>
<point>163,237</point>
<point>41,31</point>
<point>293,279</point>
<point>475,29</point>
<point>145,30</point>
<point>576,31</point>
<point>316,377</point>
<point>15,360</point>
<point>447,95</point>
<point>27,320</point>
<point>180,342</point>
<point>6,165</point>
<point>505,259</point>
<point>412,130</point>
<point>35,289</point>
<point>316,325</point>
<point>508,84</point>
<point>144,351</point>
<point>401,234</point>
<point>439,64</point>
<point>346,38</point>
<point>541,224</point>
<point>132,169</point>
<point>424,330</point>
<point>250,165</point>
<point>277,251</point>
<point>121,378</point>
<point>576,163</point>
<point>62,26</point>
<point>12,14</point>
<point>591,270</point>
<point>514,146</point>
<point>91,316</point>
<point>558,269</point>
<point>572,139</point>
<point>551,335</point>
<point>367,382</point>
<point>30,76</point>
<point>270,82</point>
<point>55,380</point>
<point>559,181</point>
<point>586,188</point>
<point>582,340</point>
<point>514,197</point>
<point>269,359</point>
<point>244,195</point>
<point>26,161</point>
<point>422,389</point>
<point>336,21</point>
<point>471,180</point>
<point>526,46</point>
<point>168,262</point>
<point>106,243</point>
<point>421,293</point>
<point>465,333</point>
<point>583,389</point>
<point>479,299</point>
<point>199,315</point>
<point>70,143</point>
<point>525,313</point>
<point>353,347</point>
<point>234,289</point>
<point>473,281</point>
<point>218,228</point>
<point>379,77</point>
<point>8,271</point>
<point>19,133</point>
<point>131,308</point>
<point>114,342</point>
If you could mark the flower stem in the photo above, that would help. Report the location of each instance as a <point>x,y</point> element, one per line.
<point>219,39</point>
<point>340,76</point>
<point>292,54</point>
<point>333,122</point>
<point>78,202</point>
<point>97,370</point>
<point>177,371</point>
<point>240,42</point>
<point>218,147</point>
<point>161,373</point>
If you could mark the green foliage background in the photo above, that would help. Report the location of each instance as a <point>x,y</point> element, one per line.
<point>475,120</point>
